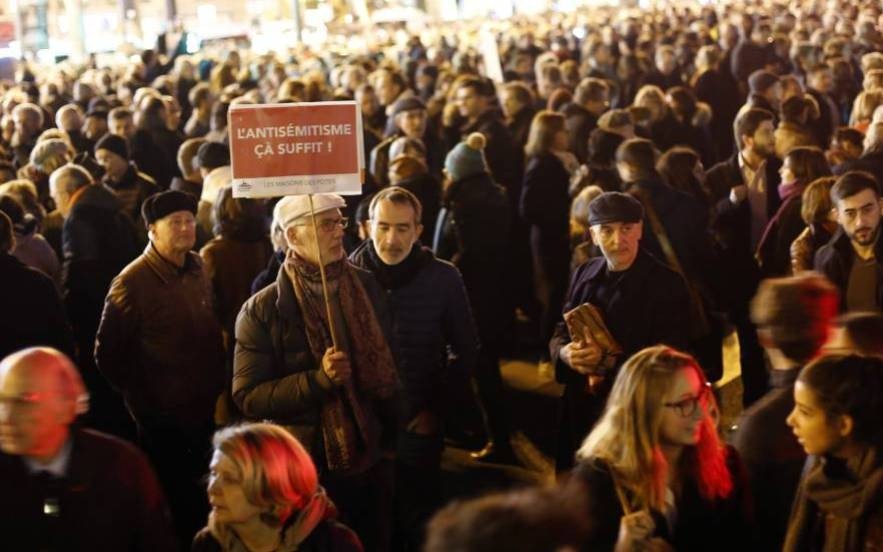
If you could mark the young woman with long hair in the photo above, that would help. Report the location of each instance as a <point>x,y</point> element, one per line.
<point>838,406</point>
<point>656,473</point>
<point>265,495</point>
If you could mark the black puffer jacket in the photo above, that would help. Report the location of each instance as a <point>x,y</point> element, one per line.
<point>429,312</point>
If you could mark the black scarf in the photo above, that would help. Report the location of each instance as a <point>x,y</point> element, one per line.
<point>399,275</point>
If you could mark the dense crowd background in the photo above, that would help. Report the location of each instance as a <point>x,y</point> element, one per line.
<point>689,171</point>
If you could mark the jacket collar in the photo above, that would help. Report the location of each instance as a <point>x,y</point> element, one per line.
<point>841,242</point>
<point>166,270</point>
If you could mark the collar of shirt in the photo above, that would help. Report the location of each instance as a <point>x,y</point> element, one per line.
<point>57,466</point>
<point>749,173</point>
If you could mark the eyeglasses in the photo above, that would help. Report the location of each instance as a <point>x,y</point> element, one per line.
<point>687,407</point>
<point>328,225</point>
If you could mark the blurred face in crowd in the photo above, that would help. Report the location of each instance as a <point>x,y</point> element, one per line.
<point>763,141</point>
<point>301,237</point>
<point>35,412</point>
<point>816,432</point>
<point>226,494</point>
<point>666,62</point>
<point>786,173</point>
<point>27,125</point>
<point>95,127</point>
<point>683,409</point>
<point>821,81</point>
<point>367,100</point>
<point>412,123</point>
<point>859,215</point>
<point>173,112</point>
<point>394,230</point>
<point>174,234</point>
<point>60,196</point>
<point>114,166</point>
<point>124,127</point>
<point>387,89</point>
<point>618,242</point>
<point>469,102</point>
<point>773,94</point>
<point>510,103</point>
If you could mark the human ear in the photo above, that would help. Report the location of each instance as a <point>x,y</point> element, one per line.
<point>845,425</point>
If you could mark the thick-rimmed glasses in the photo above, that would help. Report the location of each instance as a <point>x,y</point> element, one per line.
<point>687,407</point>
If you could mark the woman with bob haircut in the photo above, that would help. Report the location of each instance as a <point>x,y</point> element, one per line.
<point>655,472</point>
<point>264,494</point>
<point>545,207</point>
<point>838,405</point>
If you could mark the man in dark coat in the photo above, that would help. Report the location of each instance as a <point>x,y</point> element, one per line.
<point>642,303</point>
<point>871,160</point>
<point>331,384</point>
<point>819,84</point>
<point>122,176</point>
<point>410,119</point>
<point>98,242</point>
<point>590,99</point>
<point>431,320</point>
<point>159,343</point>
<point>33,311</point>
<point>853,259</point>
<point>764,92</point>
<point>748,55</point>
<point>793,317</point>
<point>744,191</point>
<point>474,98</point>
<point>66,488</point>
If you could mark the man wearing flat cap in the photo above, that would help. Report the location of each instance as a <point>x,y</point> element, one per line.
<point>642,303</point>
<point>409,119</point>
<point>159,343</point>
<point>337,394</point>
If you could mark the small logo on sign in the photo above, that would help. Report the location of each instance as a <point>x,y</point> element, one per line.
<point>243,187</point>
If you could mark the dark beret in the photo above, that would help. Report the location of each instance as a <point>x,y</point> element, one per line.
<point>165,203</point>
<point>615,207</point>
<point>408,104</point>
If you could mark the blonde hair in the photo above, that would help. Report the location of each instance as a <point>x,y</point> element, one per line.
<point>276,471</point>
<point>864,105</point>
<point>627,436</point>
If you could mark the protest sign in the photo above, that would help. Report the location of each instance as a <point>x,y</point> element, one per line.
<point>289,149</point>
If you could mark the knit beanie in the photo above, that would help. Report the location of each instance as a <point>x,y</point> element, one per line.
<point>114,144</point>
<point>467,158</point>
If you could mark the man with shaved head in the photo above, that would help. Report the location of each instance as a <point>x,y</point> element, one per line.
<point>64,487</point>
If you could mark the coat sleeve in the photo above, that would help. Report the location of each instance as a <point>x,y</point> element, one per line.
<point>561,335</point>
<point>259,390</point>
<point>459,326</point>
<point>115,343</point>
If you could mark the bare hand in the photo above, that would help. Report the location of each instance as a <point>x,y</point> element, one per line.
<point>738,194</point>
<point>581,357</point>
<point>336,366</point>
<point>635,532</point>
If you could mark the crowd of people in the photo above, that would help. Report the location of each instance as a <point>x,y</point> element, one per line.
<point>185,368</point>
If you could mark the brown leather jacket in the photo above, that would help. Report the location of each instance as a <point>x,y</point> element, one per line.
<point>160,343</point>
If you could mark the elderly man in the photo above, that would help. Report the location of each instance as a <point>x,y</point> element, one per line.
<point>642,303</point>
<point>333,383</point>
<point>432,315</point>
<point>28,119</point>
<point>159,344</point>
<point>67,488</point>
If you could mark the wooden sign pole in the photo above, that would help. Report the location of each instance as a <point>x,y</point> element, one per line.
<point>322,273</point>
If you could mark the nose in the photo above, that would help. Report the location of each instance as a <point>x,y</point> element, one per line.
<point>790,419</point>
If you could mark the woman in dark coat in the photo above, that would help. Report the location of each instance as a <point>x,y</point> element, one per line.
<point>653,469</point>
<point>265,495</point>
<point>154,147</point>
<point>545,207</point>
<point>838,404</point>
<point>801,166</point>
